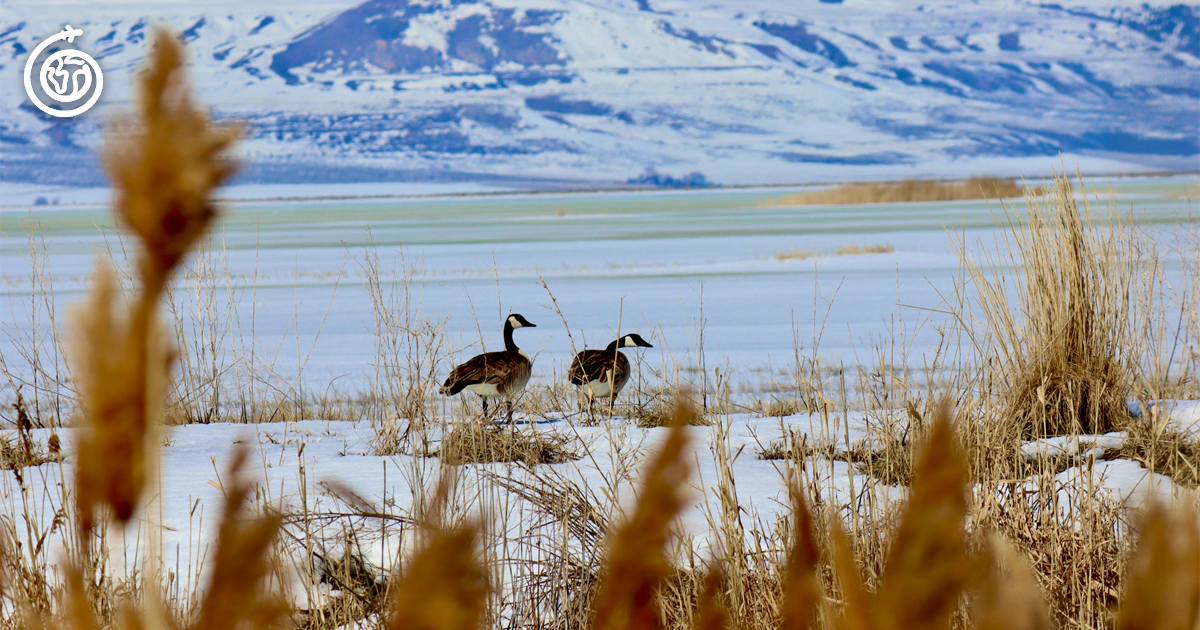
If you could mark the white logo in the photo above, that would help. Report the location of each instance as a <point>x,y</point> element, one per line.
<point>66,76</point>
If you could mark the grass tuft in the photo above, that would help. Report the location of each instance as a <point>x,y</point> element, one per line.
<point>657,413</point>
<point>1063,345</point>
<point>1163,449</point>
<point>476,443</point>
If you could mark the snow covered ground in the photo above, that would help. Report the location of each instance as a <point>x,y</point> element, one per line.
<point>298,463</point>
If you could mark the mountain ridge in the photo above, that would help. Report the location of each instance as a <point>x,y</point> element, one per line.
<point>652,91</point>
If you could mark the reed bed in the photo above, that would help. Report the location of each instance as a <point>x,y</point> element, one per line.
<point>905,191</point>
<point>981,539</point>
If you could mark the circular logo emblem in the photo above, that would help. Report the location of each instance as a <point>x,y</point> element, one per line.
<point>65,77</point>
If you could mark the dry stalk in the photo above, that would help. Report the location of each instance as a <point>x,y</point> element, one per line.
<point>1163,588</point>
<point>636,566</point>
<point>164,166</point>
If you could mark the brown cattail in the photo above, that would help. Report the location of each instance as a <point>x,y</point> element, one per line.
<point>443,586</point>
<point>1009,598</point>
<point>164,164</point>
<point>710,612</point>
<point>856,613</point>
<point>801,592</point>
<point>120,389</point>
<point>241,562</point>
<point>1163,588</point>
<point>636,562</point>
<point>927,566</point>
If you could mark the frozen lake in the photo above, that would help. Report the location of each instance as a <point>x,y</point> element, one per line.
<point>643,261</point>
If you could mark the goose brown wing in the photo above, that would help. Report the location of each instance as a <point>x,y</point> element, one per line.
<point>482,368</point>
<point>589,365</point>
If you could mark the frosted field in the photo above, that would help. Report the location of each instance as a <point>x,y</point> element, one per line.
<point>640,261</point>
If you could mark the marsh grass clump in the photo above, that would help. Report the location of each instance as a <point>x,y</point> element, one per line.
<point>888,458</point>
<point>904,191</point>
<point>19,450</point>
<point>1075,549</point>
<point>1065,343</point>
<point>1162,448</point>
<point>657,413</point>
<point>854,249</point>
<point>796,254</point>
<point>485,443</point>
<point>779,407</point>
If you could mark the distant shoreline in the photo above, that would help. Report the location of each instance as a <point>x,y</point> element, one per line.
<point>92,197</point>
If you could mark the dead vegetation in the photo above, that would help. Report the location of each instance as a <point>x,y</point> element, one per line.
<point>1163,449</point>
<point>19,449</point>
<point>904,191</point>
<point>890,463</point>
<point>658,412</point>
<point>485,443</point>
<point>856,250</point>
<point>1065,345</point>
<point>852,249</point>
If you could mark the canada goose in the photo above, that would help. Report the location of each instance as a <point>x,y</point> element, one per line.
<point>495,374</point>
<point>604,372</point>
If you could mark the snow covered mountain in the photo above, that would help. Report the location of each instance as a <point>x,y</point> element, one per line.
<point>546,92</point>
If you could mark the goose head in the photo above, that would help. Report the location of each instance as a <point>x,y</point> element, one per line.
<point>518,321</point>
<point>634,340</point>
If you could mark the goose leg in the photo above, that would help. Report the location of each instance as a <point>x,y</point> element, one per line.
<point>510,411</point>
<point>484,407</point>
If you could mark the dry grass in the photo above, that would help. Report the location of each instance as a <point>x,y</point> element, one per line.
<point>889,461</point>
<point>905,191</point>
<point>1163,449</point>
<point>1064,348</point>
<point>855,250</point>
<point>480,443</point>
<point>21,450</point>
<point>852,249</point>
<point>658,412</point>
<point>778,407</point>
<point>797,254</point>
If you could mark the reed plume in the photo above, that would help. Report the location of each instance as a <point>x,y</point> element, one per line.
<point>927,566</point>
<point>636,563</point>
<point>164,164</point>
